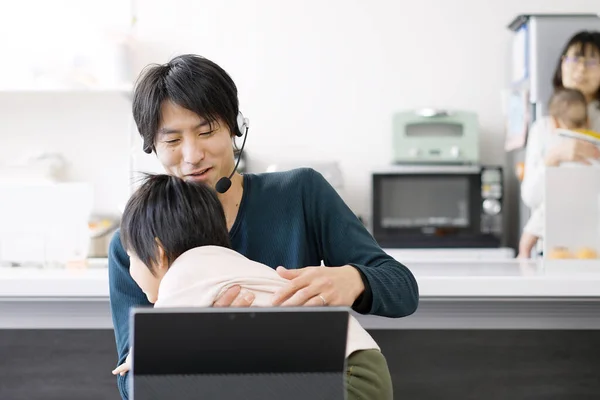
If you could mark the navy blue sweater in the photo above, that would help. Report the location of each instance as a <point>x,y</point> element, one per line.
<point>294,219</point>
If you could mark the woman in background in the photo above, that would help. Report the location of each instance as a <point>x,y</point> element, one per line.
<point>578,68</point>
<point>568,109</point>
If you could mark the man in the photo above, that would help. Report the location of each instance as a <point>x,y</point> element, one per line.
<point>187,113</point>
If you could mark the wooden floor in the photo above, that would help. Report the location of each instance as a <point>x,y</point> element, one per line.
<point>514,365</point>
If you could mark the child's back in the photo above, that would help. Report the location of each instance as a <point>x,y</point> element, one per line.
<point>200,275</point>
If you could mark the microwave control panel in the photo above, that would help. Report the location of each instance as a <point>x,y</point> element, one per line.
<point>491,200</point>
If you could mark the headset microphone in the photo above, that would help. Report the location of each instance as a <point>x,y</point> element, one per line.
<point>224,183</point>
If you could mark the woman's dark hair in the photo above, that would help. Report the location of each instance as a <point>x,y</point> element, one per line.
<point>181,215</point>
<point>583,40</point>
<point>561,102</point>
<point>190,81</point>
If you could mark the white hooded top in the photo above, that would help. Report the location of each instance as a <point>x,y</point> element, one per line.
<point>200,275</point>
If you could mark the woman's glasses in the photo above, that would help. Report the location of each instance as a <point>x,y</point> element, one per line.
<point>587,62</point>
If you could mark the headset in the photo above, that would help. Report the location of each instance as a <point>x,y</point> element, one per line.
<point>243,125</point>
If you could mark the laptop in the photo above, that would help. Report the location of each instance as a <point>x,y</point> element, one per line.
<point>293,353</point>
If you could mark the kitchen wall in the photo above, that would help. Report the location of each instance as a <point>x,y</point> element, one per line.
<point>318,80</point>
<point>89,129</point>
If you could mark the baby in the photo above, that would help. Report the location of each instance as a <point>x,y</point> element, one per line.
<point>568,110</point>
<point>177,240</point>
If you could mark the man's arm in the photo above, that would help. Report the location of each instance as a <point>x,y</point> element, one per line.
<point>124,294</point>
<point>390,288</point>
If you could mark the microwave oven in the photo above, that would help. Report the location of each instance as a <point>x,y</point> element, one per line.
<point>439,206</point>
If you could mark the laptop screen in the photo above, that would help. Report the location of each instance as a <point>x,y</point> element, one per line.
<point>178,341</point>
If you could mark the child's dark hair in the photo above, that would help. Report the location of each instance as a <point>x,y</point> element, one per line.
<point>181,215</point>
<point>563,100</point>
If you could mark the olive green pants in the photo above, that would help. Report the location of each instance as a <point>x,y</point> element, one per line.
<point>368,376</point>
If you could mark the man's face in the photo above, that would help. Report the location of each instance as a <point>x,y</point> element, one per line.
<point>188,148</point>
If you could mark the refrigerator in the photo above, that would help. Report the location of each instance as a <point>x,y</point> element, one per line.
<point>537,43</point>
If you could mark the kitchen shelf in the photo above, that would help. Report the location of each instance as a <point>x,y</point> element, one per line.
<point>125,89</point>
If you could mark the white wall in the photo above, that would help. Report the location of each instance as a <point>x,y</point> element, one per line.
<point>89,129</point>
<point>321,79</point>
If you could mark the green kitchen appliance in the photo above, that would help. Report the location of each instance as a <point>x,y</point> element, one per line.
<point>430,136</point>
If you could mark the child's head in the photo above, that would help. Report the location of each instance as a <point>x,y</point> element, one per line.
<point>165,217</point>
<point>568,108</point>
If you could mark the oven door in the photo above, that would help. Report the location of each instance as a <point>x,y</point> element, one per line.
<point>429,207</point>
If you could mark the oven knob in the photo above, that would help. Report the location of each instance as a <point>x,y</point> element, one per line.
<point>491,207</point>
<point>455,151</point>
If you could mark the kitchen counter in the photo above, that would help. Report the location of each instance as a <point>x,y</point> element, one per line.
<point>454,294</point>
<point>437,279</point>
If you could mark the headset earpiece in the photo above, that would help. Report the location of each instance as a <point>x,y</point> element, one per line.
<point>242,124</point>
<point>224,183</point>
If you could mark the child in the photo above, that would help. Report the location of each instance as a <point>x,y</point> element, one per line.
<point>568,110</point>
<point>176,236</point>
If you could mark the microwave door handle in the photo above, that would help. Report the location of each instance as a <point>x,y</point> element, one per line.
<point>432,113</point>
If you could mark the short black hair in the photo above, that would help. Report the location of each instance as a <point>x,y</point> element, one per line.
<point>190,81</point>
<point>182,215</point>
<point>583,40</point>
<point>561,102</point>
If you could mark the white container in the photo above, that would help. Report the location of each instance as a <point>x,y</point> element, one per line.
<point>572,226</point>
<point>44,224</point>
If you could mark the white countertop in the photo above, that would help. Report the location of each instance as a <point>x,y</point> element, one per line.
<point>436,278</point>
<point>507,278</point>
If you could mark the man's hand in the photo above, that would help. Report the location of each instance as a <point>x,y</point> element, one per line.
<point>319,286</point>
<point>123,368</point>
<point>235,297</point>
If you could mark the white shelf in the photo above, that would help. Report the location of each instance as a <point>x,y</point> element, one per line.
<point>125,89</point>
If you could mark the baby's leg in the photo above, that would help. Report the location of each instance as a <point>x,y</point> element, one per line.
<point>368,376</point>
<point>527,244</point>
